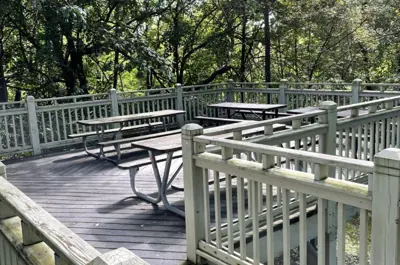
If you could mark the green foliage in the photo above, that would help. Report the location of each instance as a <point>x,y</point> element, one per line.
<point>57,48</point>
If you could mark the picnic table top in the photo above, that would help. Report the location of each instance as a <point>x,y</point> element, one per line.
<point>247,106</point>
<point>131,117</point>
<point>172,143</point>
<point>340,114</point>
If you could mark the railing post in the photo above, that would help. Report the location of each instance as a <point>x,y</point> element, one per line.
<point>194,193</point>
<point>179,104</point>
<point>229,96</point>
<point>327,145</point>
<point>282,90</point>
<point>385,208</point>
<point>355,91</point>
<point>327,142</point>
<point>118,257</point>
<point>33,125</point>
<point>114,102</point>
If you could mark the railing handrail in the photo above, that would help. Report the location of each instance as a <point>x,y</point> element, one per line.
<point>380,84</point>
<point>355,195</point>
<point>318,84</point>
<point>254,124</point>
<point>368,103</point>
<point>71,97</point>
<point>312,157</point>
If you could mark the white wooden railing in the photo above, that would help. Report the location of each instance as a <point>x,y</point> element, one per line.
<point>278,187</point>
<point>31,236</point>
<point>34,125</point>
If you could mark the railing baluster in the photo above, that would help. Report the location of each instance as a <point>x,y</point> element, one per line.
<point>270,225</point>
<point>383,134</point>
<point>217,206</point>
<point>341,234</point>
<point>359,138</point>
<point>22,131</point>
<point>392,132</point>
<point>51,126</point>
<point>347,149</point>
<point>286,227</point>
<point>58,129</point>
<point>227,153</point>
<point>321,231</point>
<point>363,237</point>
<point>303,228</point>
<point>206,205</point>
<point>7,135</point>
<point>241,215</point>
<point>398,131</point>
<point>64,124</point>
<point>305,148</point>
<point>378,138</point>
<point>365,141</point>
<point>287,159</point>
<point>387,130</point>
<point>14,132</point>
<point>255,223</point>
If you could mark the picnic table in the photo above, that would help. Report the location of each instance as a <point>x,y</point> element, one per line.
<point>99,125</point>
<point>170,146</point>
<point>252,108</point>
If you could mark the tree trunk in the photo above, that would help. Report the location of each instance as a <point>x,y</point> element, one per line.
<point>115,76</point>
<point>242,69</point>
<point>175,44</point>
<point>267,43</point>
<point>3,85</point>
<point>149,79</point>
<point>18,95</point>
<point>296,65</point>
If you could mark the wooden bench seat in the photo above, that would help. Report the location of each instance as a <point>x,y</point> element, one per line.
<point>138,138</point>
<point>110,133</point>
<point>118,142</point>
<point>216,120</point>
<point>116,130</point>
<point>267,113</point>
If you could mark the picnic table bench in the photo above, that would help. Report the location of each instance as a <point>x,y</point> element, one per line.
<point>99,130</point>
<point>216,120</point>
<point>251,108</point>
<point>165,149</point>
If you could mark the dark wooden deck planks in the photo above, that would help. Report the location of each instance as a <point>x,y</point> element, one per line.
<point>94,199</point>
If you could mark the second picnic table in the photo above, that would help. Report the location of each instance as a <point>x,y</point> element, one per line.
<point>252,108</point>
<point>99,125</point>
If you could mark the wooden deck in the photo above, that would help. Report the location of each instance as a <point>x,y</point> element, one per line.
<point>94,199</point>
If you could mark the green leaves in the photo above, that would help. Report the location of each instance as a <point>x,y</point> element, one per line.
<point>80,46</point>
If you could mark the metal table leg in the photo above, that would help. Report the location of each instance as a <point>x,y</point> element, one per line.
<point>85,140</point>
<point>132,173</point>
<point>164,186</point>
<point>154,200</point>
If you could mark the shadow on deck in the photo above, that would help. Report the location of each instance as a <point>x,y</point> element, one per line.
<point>94,199</point>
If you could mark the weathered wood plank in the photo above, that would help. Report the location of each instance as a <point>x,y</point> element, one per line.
<point>56,235</point>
